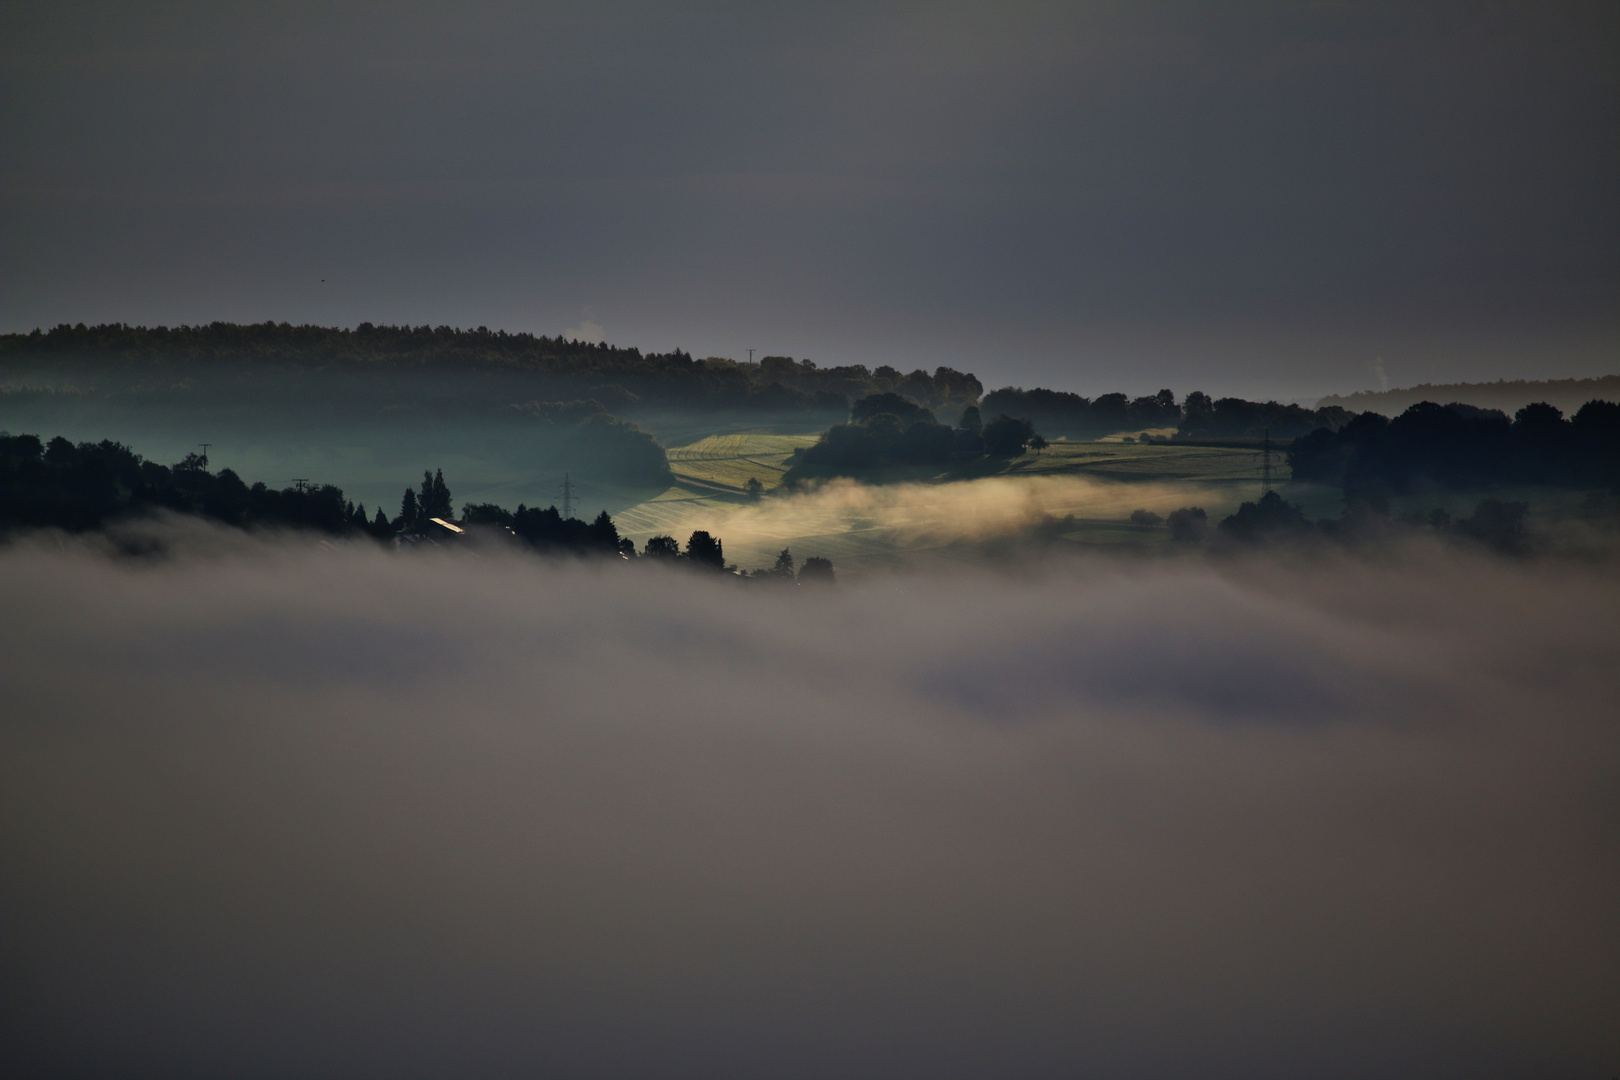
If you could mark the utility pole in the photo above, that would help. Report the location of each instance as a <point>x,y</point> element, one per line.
<point>750,356</point>
<point>205,446</point>
<point>300,484</point>
<point>1265,464</point>
<point>567,497</point>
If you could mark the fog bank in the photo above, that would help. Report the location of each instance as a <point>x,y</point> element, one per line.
<point>843,517</point>
<point>276,809</point>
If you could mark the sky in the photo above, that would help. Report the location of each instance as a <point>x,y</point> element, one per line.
<point>1283,199</point>
<point>297,809</point>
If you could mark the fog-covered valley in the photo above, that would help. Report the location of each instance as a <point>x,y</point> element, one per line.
<point>284,807</point>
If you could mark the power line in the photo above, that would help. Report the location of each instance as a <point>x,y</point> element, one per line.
<point>1265,464</point>
<point>567,497</point>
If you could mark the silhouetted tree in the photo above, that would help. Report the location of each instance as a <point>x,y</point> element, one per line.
<point>1188,524</point>
<point>602,533</point>
<point>705,550</point>
<point>753,489</point>
<point>1272,518</point>
<point>485,514</point>
<point>661,547</point>
<point>902,408</point>
<point>434,502</point>
<point>816,571</point>
<point>1498,525</point>
<point>1006,436</point>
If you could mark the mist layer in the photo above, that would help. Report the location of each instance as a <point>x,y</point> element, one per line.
<point>276,809</point>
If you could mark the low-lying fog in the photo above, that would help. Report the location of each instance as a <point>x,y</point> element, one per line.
<point>280,810</point>
<point>845,518</point>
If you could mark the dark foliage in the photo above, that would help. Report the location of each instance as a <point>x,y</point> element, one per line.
<point>619,378</point>
<point>1060,413</point>
<point>1272,518</point>
<point>486,514</point>
<point>1498,525</point>
<point>816,571</point>
<point>882,440</point>
<point>706,551</point>
<point>661,547</point>
<point>85,486</point>
<point>1006,436</point>
<point>1461,447</point>
<point>1188,524</point>
<point>905,410</point>
<point>1235,418</point>
<point>548,531</point>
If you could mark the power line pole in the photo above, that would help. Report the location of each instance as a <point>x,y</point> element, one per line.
<point>300,484</point>
<point>750,356</point>
<point>567,497</point>
<point>1265,464</point>
<point>205,446</point>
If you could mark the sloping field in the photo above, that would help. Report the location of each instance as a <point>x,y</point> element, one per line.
<point>728,462</point>
<point>1140,461</point>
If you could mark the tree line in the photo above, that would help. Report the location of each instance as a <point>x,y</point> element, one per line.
<point>625,381</point>
<point>1199,416</point>
<point>1460,447</point>
<point>889,429</point>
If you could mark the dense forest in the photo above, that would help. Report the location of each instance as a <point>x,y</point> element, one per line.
<point>85,486</point>
<point>1058,413</point>
<point>1458,446</point>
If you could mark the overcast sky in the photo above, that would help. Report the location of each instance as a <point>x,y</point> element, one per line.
<point>1257,198</point>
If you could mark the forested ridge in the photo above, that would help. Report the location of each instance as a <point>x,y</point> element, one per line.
<point>1508,395</point>
<point>520,366</point>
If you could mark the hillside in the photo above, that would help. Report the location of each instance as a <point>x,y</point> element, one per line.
<point>1509,396</point>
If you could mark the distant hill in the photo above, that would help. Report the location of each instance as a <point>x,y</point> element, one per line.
<point>1567,394</point>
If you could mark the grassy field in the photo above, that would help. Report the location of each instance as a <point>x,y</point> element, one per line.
<point>728,462</point>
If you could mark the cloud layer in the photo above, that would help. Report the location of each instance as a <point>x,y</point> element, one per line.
<point>279,810</point>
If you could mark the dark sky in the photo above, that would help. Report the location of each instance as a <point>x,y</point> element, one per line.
<point>1259,198</point>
